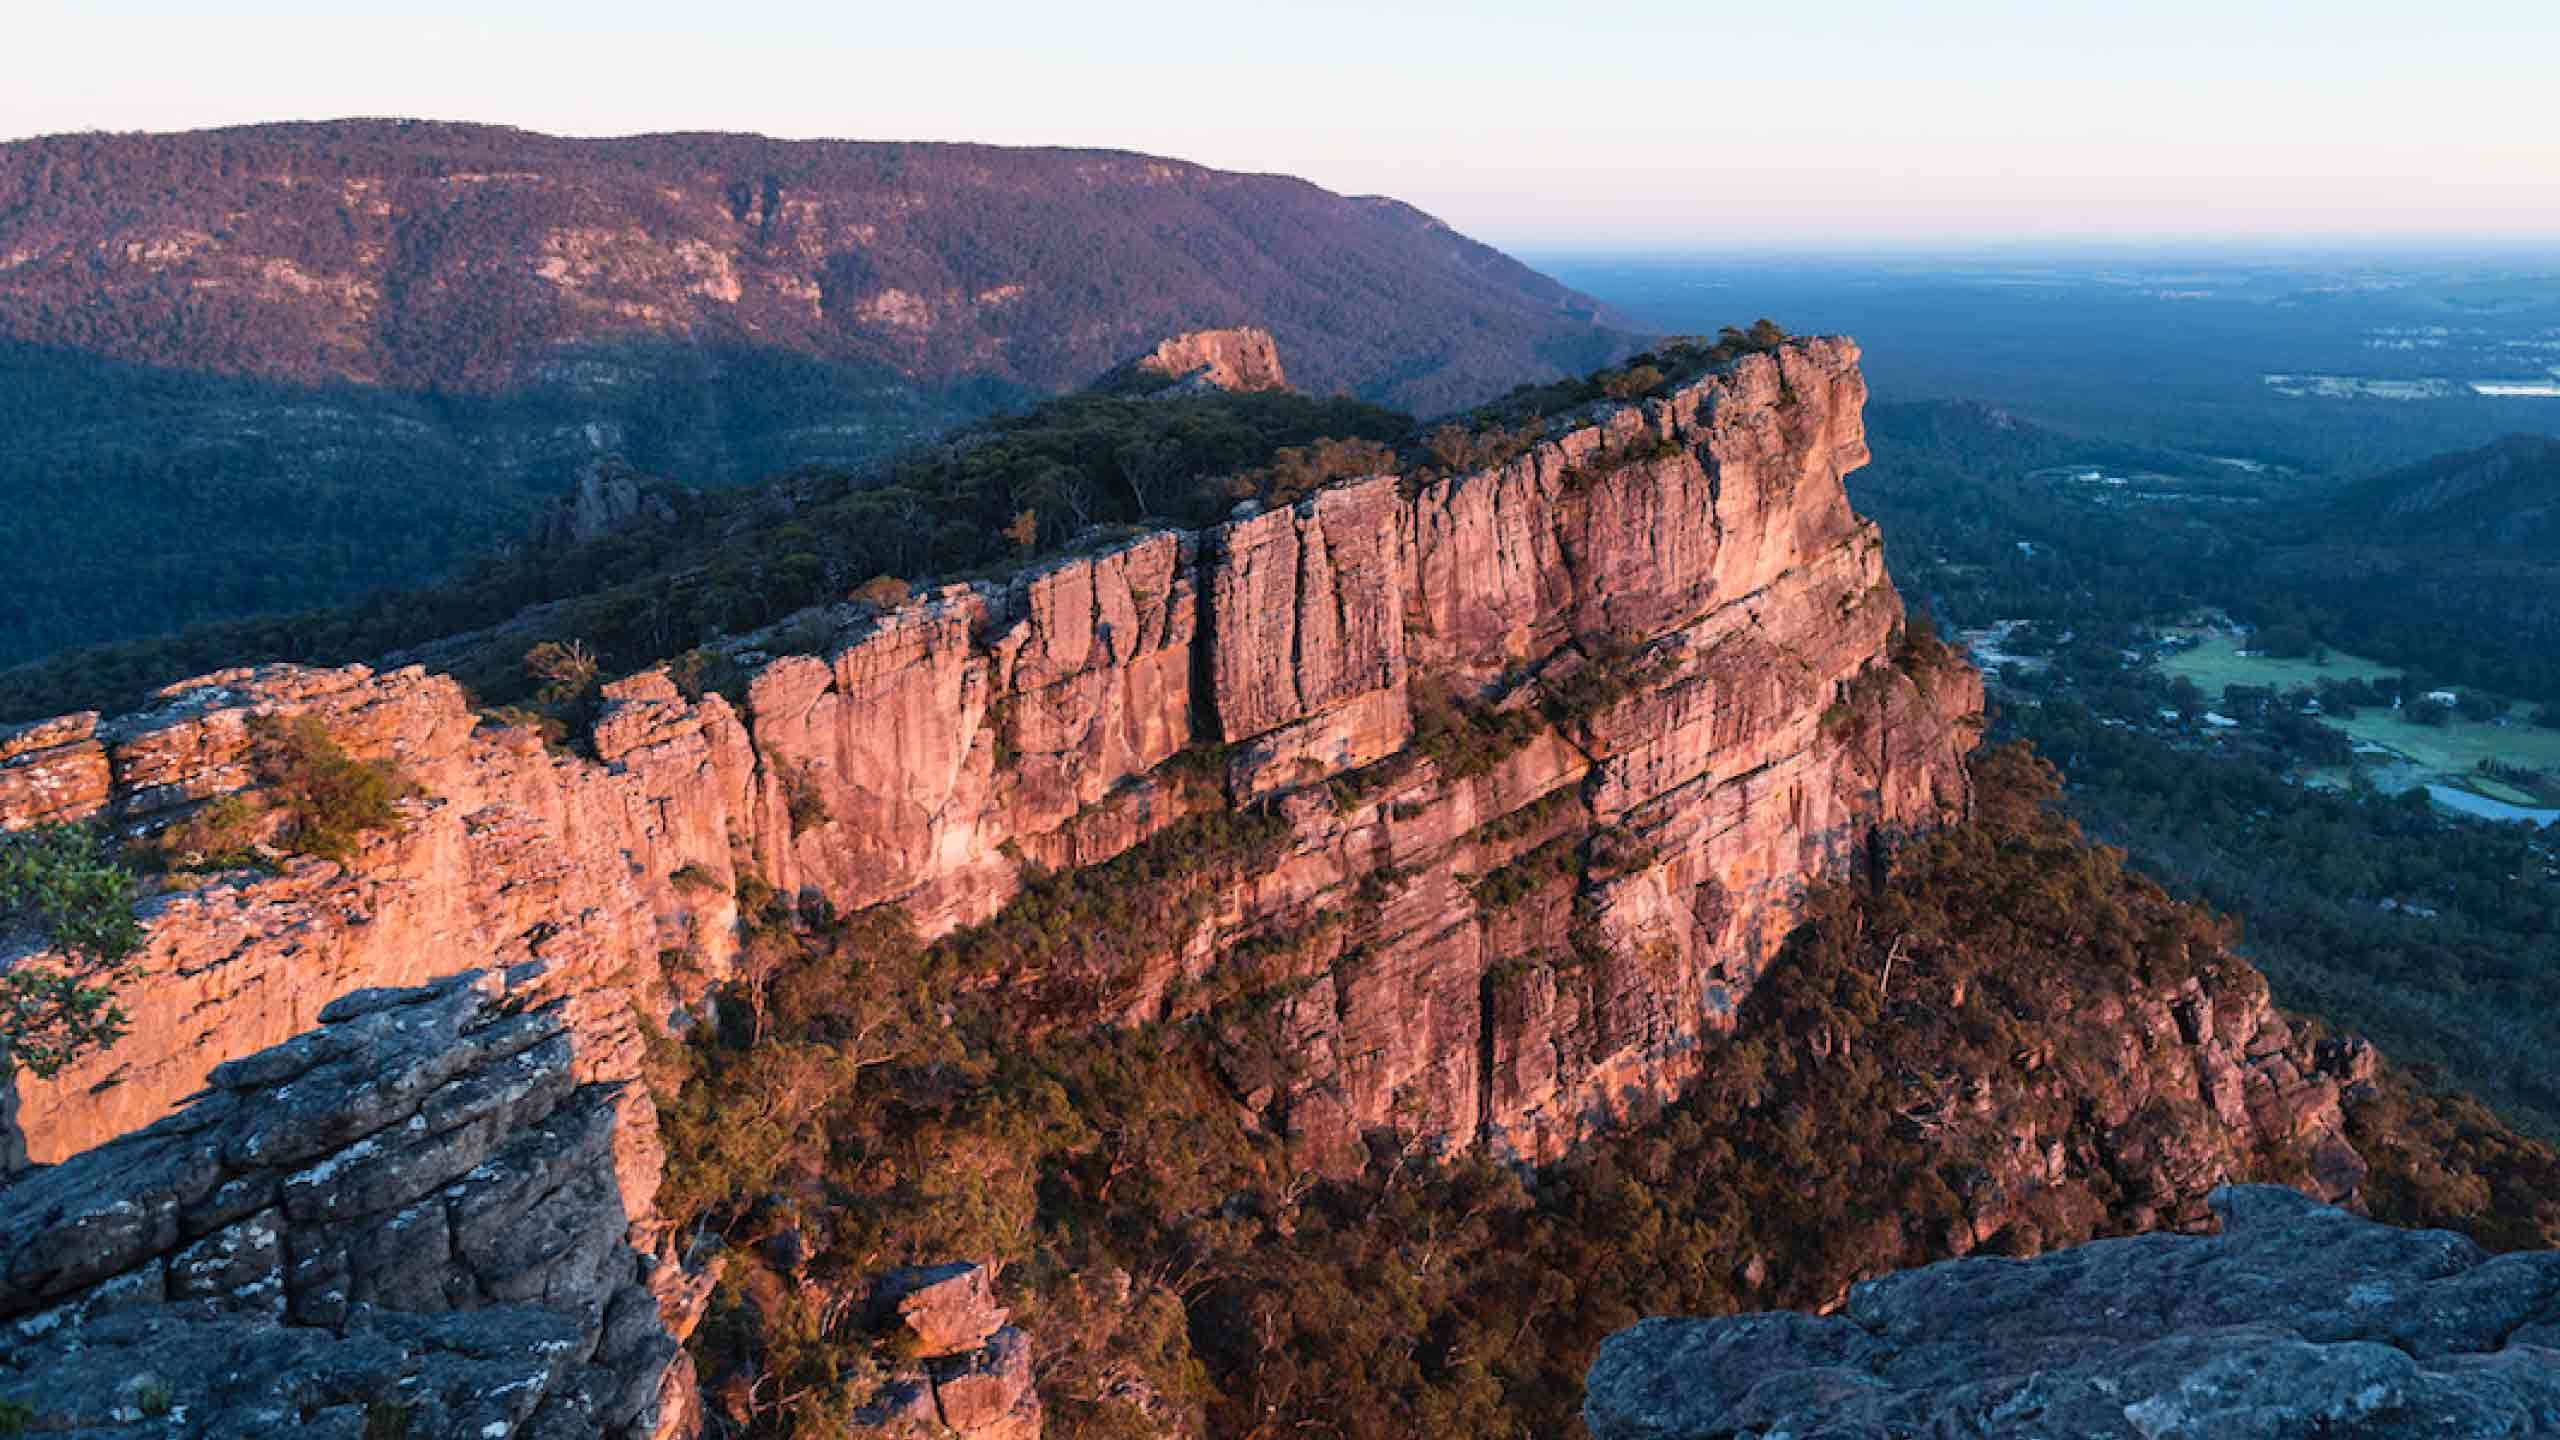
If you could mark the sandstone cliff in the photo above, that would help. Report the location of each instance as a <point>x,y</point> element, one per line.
<point>1550,750</point>
<point>2296,1319</point>
<point>1675,594</point>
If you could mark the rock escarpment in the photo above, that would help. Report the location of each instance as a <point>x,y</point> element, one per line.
<point>408,1220</point>
<point>1540,756</point>
<point>1651,659</point>
<point>2297,1319</point>
<point>1245,358</point>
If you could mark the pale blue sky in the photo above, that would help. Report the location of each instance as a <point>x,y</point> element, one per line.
<point>1849,123</point>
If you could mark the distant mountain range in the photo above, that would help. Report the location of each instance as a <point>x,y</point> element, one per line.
<point>267,367</point>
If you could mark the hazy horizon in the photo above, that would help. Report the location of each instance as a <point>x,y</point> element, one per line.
<point>1980,123</point>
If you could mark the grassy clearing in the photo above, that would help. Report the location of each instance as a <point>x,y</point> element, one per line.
<point>2459,747</point>
<point>2217,662</point>
<point>2453,750</point>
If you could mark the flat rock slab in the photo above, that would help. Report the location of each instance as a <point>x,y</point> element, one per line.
<point>2298,1319</point>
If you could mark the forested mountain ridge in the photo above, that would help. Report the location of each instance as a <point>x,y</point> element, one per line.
<point>263,368</point>
<point>2445,567</point>
<point>457,257</point>
<point>2505,494</point>
<point>2452,562</point>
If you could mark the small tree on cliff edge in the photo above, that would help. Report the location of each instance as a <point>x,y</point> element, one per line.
<point>59,889</point>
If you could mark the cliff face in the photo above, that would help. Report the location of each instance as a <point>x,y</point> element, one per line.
<point>2297,1319</point>
<point>1677,593</point>
<point>1536,762</point>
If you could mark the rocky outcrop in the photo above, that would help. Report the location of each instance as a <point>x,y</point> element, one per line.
<point>1692,634</point>
<point>53,770</point>
<point>609,498</point>
<point>1240,359</point>
<point>2130,1104</point>
<point>973,1376</point>
<point>2297,1319</point>
<point>509,853</point>
<point>411,1217</point>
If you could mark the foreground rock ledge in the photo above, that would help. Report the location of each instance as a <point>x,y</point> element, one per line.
<point>2298,1319</point>
<point>405,1222</point>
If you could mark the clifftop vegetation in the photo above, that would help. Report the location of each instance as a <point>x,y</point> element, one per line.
<point>984,502</point>
<point>62,889</point>
<point>733,561</point>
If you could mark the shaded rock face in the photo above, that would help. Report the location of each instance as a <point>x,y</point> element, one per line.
<point>1681,580</point>
<point>1244,358</point>
<point>2297,1319</point>
<point>412,1209</point>
<point>609,498</point>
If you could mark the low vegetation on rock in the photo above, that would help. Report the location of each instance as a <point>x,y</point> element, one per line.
<point>329,799</point>
<point>736,561</point>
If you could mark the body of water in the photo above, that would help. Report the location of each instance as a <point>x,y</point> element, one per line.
<point>2488,809</point>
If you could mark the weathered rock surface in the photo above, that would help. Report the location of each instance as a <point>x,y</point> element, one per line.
<point>974,1378</point>
<point>948,1308</point>
<point>412,1209</point>
<point>1244,358</point>
<point>2298,1319</point>
<point>1679,583</point>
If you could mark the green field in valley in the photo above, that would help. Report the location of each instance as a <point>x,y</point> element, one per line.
<point>2449,753</point>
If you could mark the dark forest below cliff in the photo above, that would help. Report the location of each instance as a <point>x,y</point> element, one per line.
<point>1861,1118</point>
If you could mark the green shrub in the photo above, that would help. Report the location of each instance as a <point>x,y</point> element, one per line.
<point>700,671</point>
<point>567,670</point>
<point>1467,739</point>
<point>59,881</point>
<point>330,798</point>
<point>1529,818</point>
<point>1499,890</point>
<point>802,799</point>
<point>221,835</point>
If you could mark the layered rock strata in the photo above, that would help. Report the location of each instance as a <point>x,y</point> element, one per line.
<point>2297,1319</point>
<point>1693,633</point>
<point>406,1221</point>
